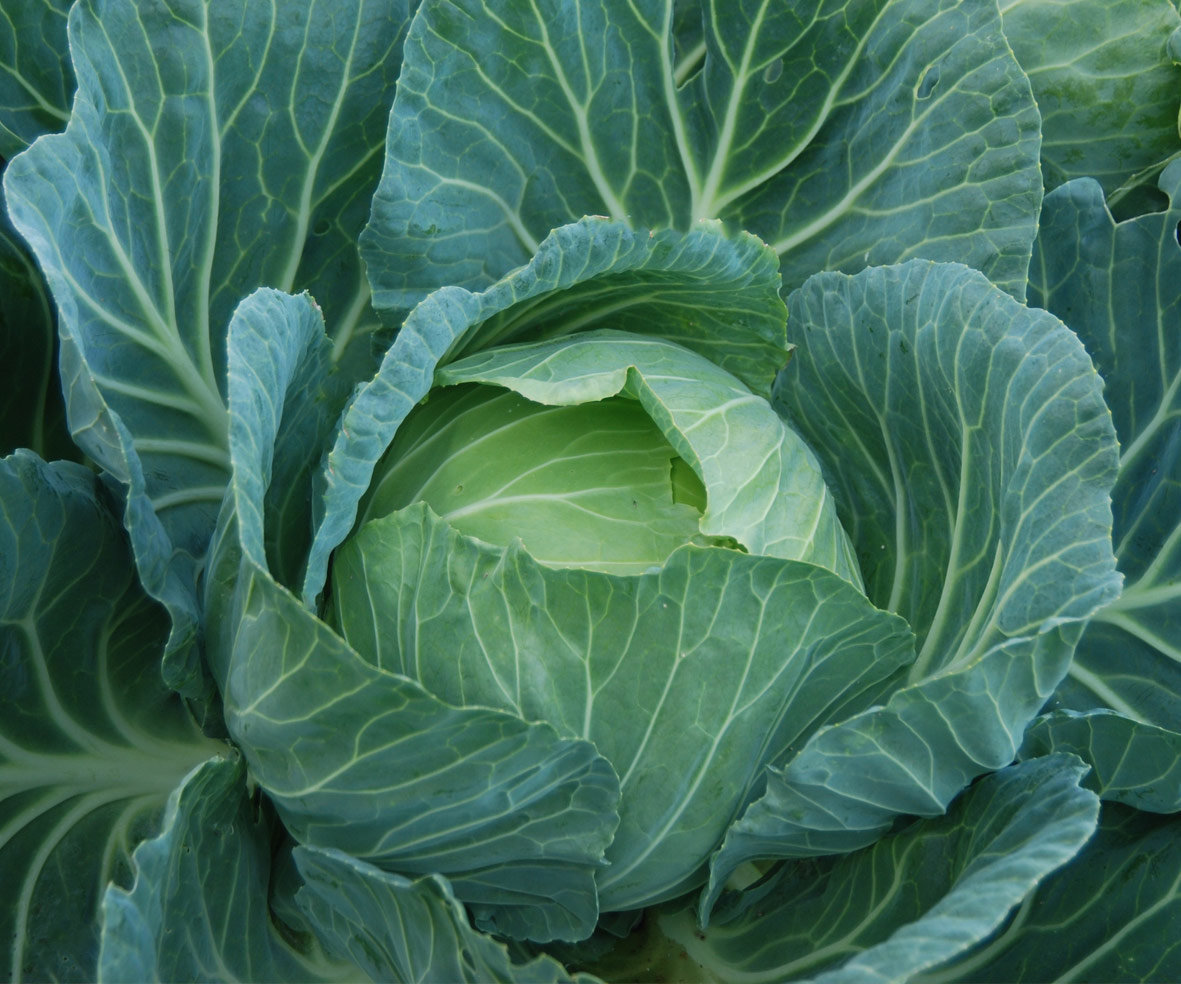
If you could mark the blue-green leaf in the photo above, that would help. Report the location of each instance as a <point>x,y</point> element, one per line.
<point>407,931</point>
<point>36,80</point>
<point>211,149</point>
<point>291,394</point>
<point>1111,915</point>
<point>32,414</point>
<point>844,135</point>
<point>198,908</point>
<point>970,449</point>
<point>1105,77</point>
<point>365,760</point>
<point>1131,762</point>
<point>689,680</point>
<point>972,456</point>
<point>91,741</point>
<point>36,83</point>
<point>358,758</point>
<point>913,900</point>
<point>1119,286</point>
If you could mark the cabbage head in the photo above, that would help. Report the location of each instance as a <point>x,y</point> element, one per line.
<point>589,491</point>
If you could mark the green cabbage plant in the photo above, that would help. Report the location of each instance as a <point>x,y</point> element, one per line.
<point>603,490</point>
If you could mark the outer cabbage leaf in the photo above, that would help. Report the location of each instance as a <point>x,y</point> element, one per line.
<point>970,449</point>
<point>198,908</point>
<point>1111,915</point>
<point>1105,77</point>
<point>32,414</point>
<point>36,83</point>
<point>407,931</point>
<point>713,293</point>
<point>1131,762</point>
<point>358,758</point>
<point>688,679</point>
<point>91,742</point>
<point>212,148</point>
<point>972,456</point>
<point>842,134</point>
<point>912,900</point>
<point>1119,286</point>
<point>36,80</point>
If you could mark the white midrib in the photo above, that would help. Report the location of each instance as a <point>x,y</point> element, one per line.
<point>1099,687</point>
<point>594,167</point>
<point>127,772</point>
<point>737,91</point>
<point>711,205</point>
<point>21,906</point>
<point>315,157</point>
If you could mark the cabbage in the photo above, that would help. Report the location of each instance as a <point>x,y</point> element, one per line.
<point>615,490</point>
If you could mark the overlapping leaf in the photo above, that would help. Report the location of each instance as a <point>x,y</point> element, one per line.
<point>361,759</point>
<point>212,148</point>
<point>91,742</point>
<point>972,457</point>
<point>198,909</point>
<point>762,483</point>
<point>913,900</point>
<point>31,411</point>
<point>969,445</point>
<point>1119,287</point>
<point>1131,762</point>
<point>1109,916</point>
<point>689,680</point>
<point>842,134</point>
<point>407,931</point>
<point>36,84</point>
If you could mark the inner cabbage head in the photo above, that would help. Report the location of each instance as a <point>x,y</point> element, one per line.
<point>595,485</point>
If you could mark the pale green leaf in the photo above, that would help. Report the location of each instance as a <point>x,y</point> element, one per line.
<point>762,484</point>
<point>711,292</point>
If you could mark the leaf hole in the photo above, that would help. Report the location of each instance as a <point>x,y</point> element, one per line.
<point>321,227</point>
<point>927,83</point>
